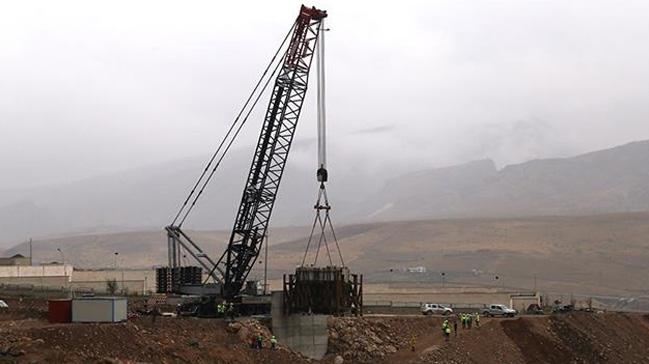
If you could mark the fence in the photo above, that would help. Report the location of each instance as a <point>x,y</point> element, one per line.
<point>410,304</point>
<point>606,303</point>
<point>138,287</point>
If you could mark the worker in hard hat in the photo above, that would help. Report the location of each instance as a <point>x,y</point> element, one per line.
<point>229,310</point>
<point>446,329</point>
<point>220,309</point>
<point>273,342</point>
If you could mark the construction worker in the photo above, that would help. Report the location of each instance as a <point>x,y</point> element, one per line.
<point>259,342</point>
<point>463,320</point>
<point>230,311</point>
<point>273,342</point>
<point>413,343</point>
<point>469,320</point>
<point>455,324</point>
<point>446,330</point>
<point>155,312</point>
<point>477,319</point>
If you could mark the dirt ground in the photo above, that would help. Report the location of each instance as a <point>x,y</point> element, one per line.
<point>27,337</point>
<point>557,339</point>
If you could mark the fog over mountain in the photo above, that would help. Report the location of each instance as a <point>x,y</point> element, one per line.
<point>92,88</point>
<point>612,180</point>
<point>109,110</point>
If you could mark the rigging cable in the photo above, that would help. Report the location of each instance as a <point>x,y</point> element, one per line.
<point>227,148</point>
<point>232,127</point>
<point>322,174</point>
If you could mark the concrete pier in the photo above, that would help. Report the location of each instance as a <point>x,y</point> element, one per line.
<point>307,334</point>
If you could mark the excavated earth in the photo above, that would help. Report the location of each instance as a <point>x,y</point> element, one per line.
<point>569,338</point>
<point>26,337</point>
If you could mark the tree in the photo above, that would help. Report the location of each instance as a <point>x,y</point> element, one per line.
<point>111,286</point>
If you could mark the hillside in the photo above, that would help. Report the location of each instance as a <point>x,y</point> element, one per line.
<point>148,198</point>
<point>613,180</point>
<point>137,249</point>
<point>601,254</point>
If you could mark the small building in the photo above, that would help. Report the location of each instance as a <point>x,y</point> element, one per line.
<point>99,309</point>
<point>522,301</point>
<point>17,259</point>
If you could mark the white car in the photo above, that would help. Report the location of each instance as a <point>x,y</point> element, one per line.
<point>434,308</point>
<point>499,310</point>
<point>3,304</point>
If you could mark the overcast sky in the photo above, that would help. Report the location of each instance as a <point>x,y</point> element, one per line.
<point>91,87</point>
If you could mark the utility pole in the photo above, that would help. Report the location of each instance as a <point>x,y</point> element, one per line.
<point>116,255</point>
<point>31,261</point>
<point>62,255</point>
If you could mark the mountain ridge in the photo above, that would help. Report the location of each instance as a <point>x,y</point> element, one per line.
<point>604,181</point>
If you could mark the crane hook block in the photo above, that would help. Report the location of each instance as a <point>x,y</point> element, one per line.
<point>322,174</point>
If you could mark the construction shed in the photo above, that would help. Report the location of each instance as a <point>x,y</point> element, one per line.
<point>522,301</point>
<point>17,259</point>
<point>99,309</point>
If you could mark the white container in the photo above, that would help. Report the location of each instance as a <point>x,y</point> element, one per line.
<point>99,309</point>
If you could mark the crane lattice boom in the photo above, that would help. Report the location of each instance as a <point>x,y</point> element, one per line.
<point>271,153</point>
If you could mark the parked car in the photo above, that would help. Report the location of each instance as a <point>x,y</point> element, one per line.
<point>534,309</point>
<point>563,308</point>
<point>499,310</point>
<point>83,292</point>
<point>435,309</point>
<point>3,304</point>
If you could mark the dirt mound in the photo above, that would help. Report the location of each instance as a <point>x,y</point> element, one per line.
<point>582,338</point>
<point>23,308</point>
<point>574,338</point>
<point>570,338</point>
<point>168,340</point>
<point>368,340</point>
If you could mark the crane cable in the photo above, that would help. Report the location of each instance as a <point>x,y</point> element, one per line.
<point>227,148</point>
<point>229,132</point>
<point>323,222</point>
